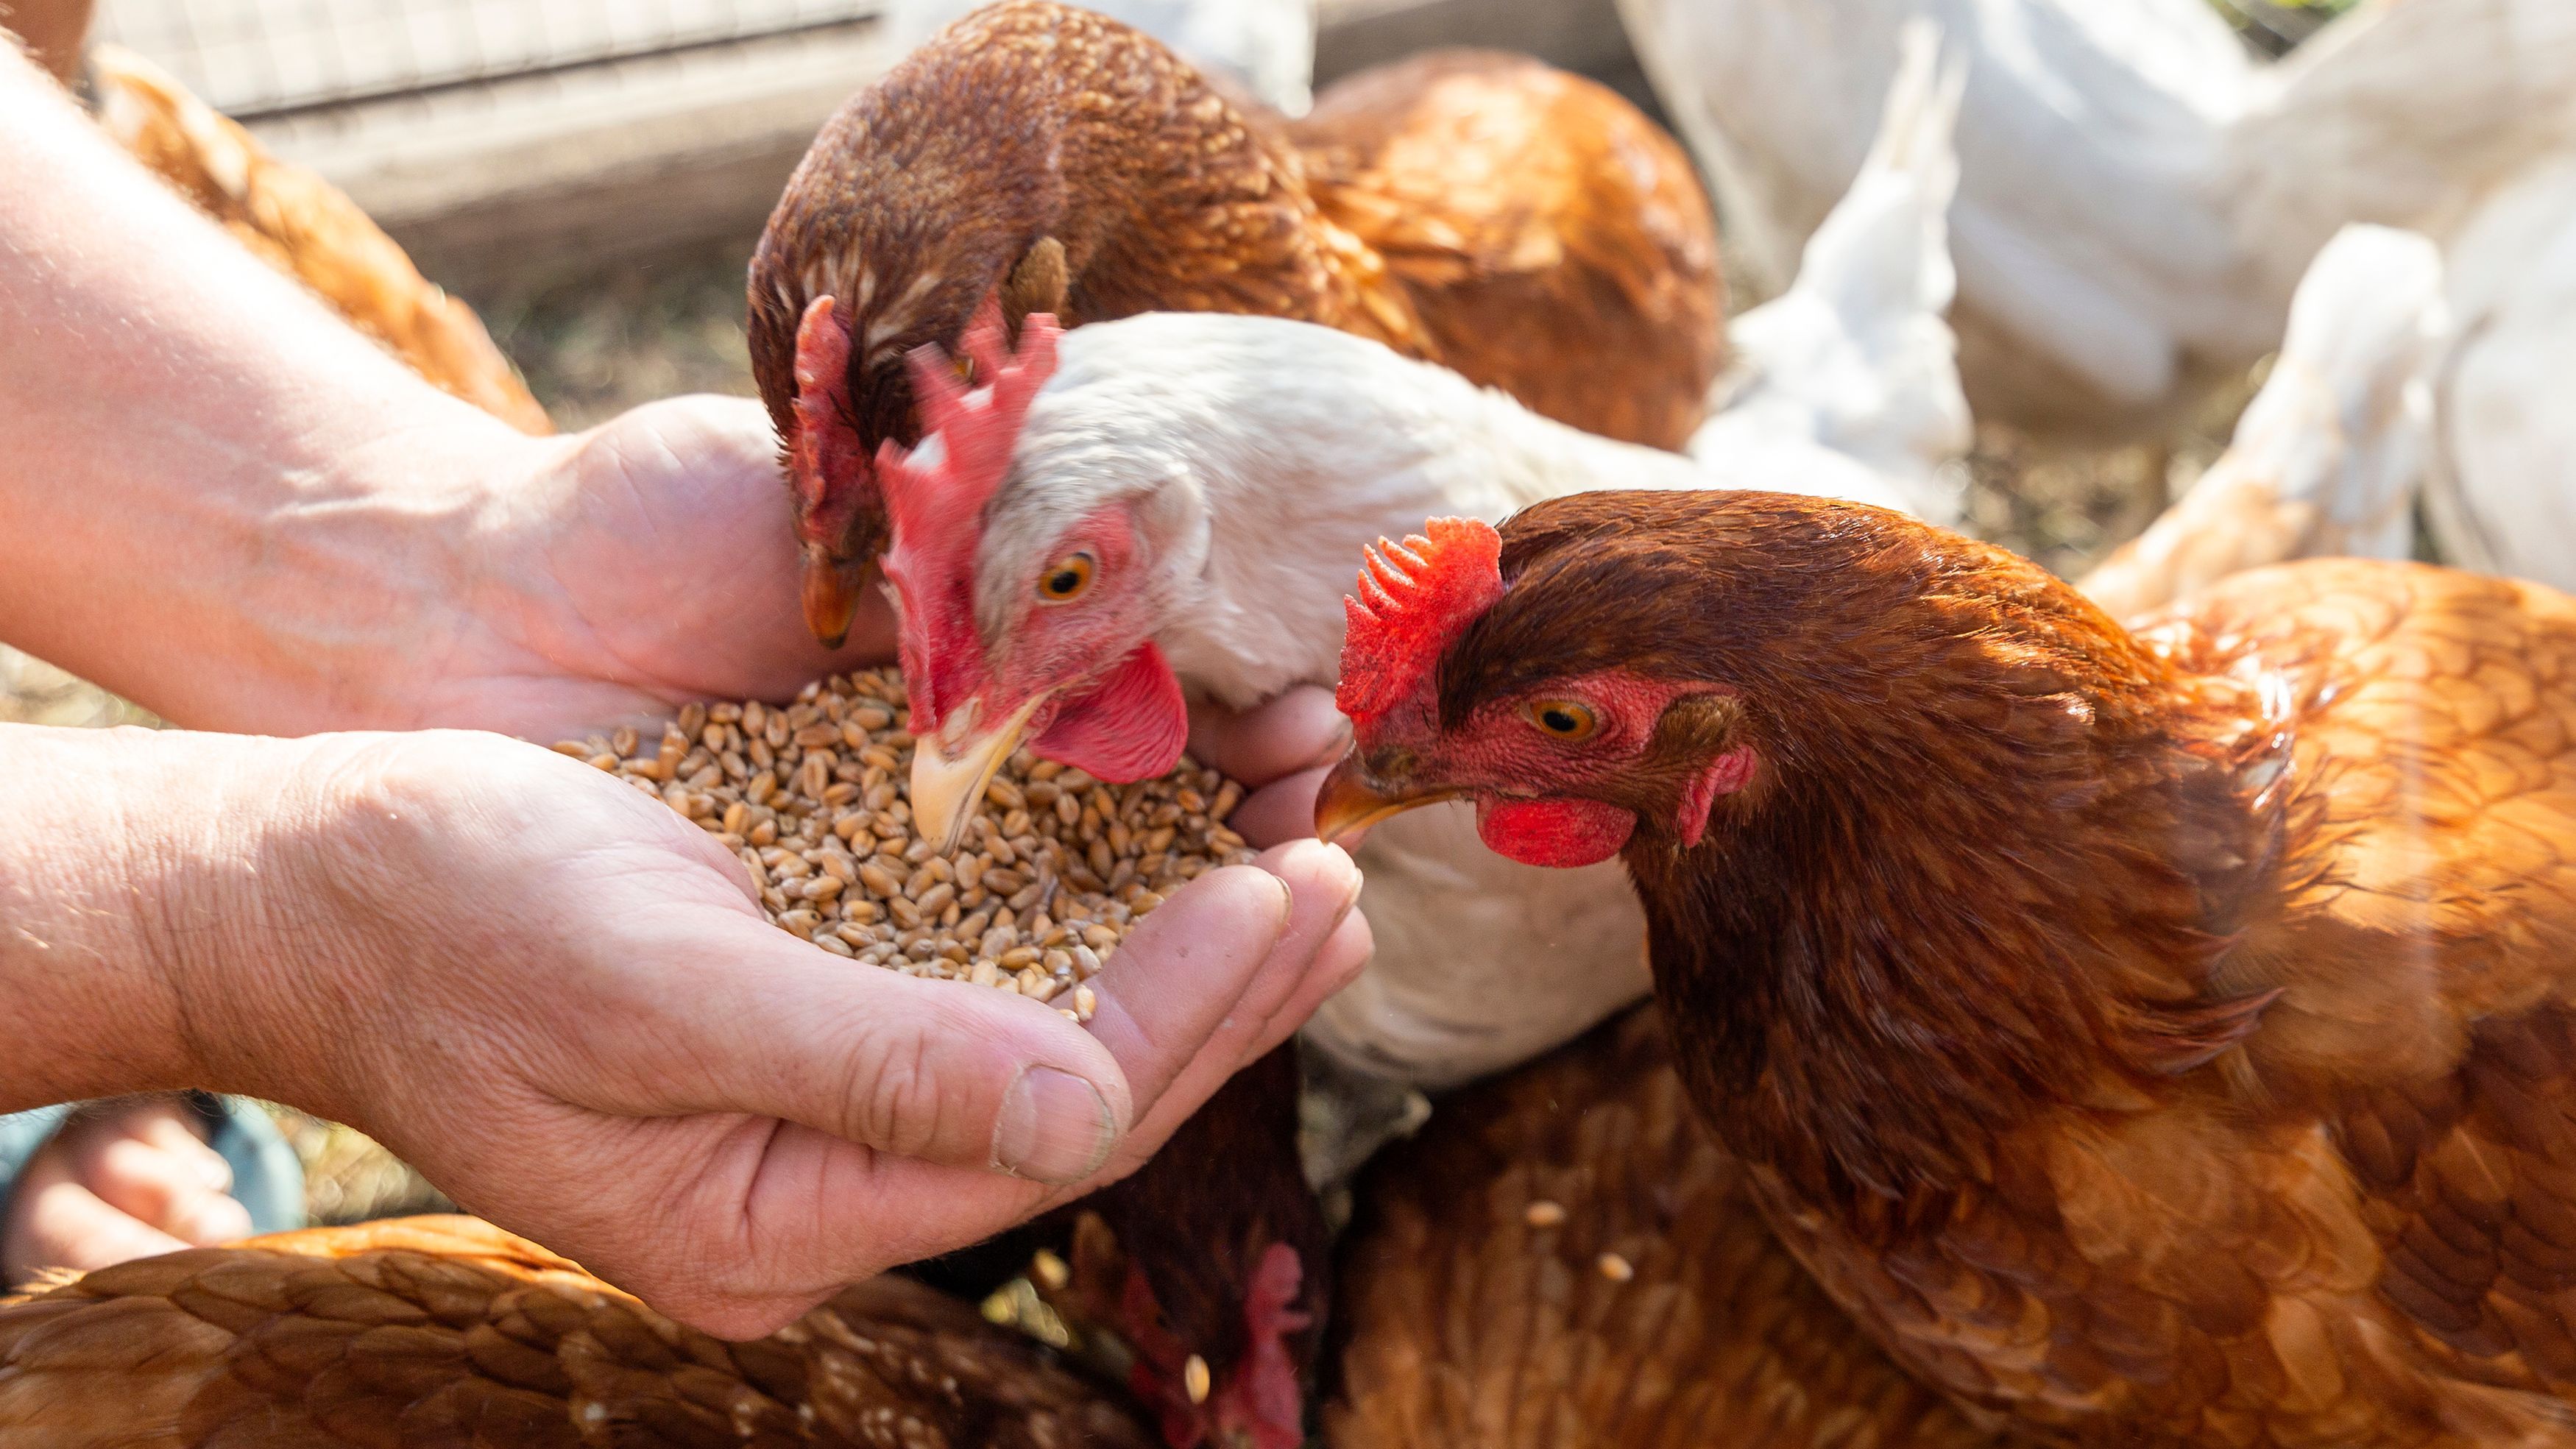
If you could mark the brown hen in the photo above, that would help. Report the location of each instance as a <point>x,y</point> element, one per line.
<point>447,1332</point>
<point>1565,1258</point>
<point>2159,1038</point>
<point>1526,227</point>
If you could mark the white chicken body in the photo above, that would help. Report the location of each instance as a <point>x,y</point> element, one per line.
<point>2139,198</point>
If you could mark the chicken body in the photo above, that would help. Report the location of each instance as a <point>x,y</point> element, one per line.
<point>2139,197</point>
<point>1565,1258</point>
<point>1524,226</point>
<point>2158,1039</point>
<point>422,1332</point>
<point>304,227</point>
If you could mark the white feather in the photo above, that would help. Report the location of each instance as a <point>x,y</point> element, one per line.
<point>1855,357</point>
<point>2329,458</point>
<point>2137,199</point>
<point>2501,495</point>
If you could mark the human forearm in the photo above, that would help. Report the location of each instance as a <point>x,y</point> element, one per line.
<point>117,848</point>
<point>213,495</point>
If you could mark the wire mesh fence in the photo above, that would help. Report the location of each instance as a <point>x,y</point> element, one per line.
<point>253,58</point>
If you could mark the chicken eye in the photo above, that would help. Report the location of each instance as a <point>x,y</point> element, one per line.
<point>1564,719</point>
<point>1065,579</point>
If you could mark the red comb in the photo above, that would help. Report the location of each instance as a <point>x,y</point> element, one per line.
<point>1414,599</point>
<point>935,508</point>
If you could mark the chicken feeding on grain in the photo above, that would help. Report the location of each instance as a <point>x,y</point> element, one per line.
<point>423,1332</point>
<point>2157,1038</point>
<point>1525,226</point>
<point>1174,509</point>
<point>1566,1259</point>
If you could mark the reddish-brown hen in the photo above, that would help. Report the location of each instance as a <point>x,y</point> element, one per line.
<point>1526,227</point>
<point>1565,1259</point>
<point>2162,1038</point>
<point>427,1333</point>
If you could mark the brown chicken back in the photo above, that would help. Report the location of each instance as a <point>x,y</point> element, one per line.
<point>1528,228</point>
<point>1566,1259</point>
<point>2163,1038</point>
<point>447,1333</point>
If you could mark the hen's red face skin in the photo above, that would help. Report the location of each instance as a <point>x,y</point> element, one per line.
<point>1538,763</point>
<point>1560,770</point>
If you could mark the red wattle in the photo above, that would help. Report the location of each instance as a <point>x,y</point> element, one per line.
<point>1559,833</point>
<point>1132,726</point>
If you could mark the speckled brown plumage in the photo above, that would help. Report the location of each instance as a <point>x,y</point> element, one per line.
<point>446,1333</point>
<point>2163,1038</point>
<point>1526,227</point>
<point>1469,1324</point>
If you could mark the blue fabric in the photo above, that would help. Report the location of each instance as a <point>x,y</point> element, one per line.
<point>267,1178</point>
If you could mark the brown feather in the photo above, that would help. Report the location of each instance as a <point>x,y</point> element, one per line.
<point>427,1333</point>
<point>2161,1038</point>
<point>1468,1320</point>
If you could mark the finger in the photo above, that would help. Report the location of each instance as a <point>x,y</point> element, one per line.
<point>1281,811</point>
<point>1299,730</point>
<point>1180,1027</point>
<point>65,1225</point>
<point>163,1188</point>
<point>751,1020</point>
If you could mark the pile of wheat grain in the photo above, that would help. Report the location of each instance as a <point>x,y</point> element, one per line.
<point>1053,871</point>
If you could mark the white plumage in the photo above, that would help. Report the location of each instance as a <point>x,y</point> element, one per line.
<point>1855,358</point>
<point>2329,457</point>
<point>2501,491</point>
<point>2137,198</point>
<point>1266,46</point>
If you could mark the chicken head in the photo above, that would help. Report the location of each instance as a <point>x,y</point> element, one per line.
<point>1562,763</point>
<point>995,652</point>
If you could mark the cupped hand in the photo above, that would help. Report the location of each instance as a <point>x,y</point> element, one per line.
<point>560,1001</point>
<point>120,1180</point>
<point>612,575</point>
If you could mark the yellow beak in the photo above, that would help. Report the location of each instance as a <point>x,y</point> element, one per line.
<point>949,776</point>
<point>1350,802</point>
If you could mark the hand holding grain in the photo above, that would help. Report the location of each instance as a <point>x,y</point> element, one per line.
<point>561,1000</point>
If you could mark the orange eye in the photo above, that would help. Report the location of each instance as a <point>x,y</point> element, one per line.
<point>1065,579</point>
<point>1564,719</point>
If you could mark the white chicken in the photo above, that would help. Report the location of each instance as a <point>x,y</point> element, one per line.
<point>1267,46</point>
<point>2138,196</point>
<point>2500,489</point>
<point>2329,457</point>
<point>1181,506</point>
<point>1855,358</point>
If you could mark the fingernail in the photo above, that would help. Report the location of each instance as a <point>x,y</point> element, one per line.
<point>1055,1127</point>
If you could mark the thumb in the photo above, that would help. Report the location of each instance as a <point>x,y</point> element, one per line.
<point>947,1072</point>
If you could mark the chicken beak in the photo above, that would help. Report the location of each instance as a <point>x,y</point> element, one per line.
<point>1350,802</point>
<point>948,778</point>
<point>831,593</point>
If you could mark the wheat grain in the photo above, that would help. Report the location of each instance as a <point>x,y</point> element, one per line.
<point>811,798</point>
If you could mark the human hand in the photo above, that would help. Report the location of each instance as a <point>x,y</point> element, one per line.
<point>560,1001</point>
<point>127,1179</point>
